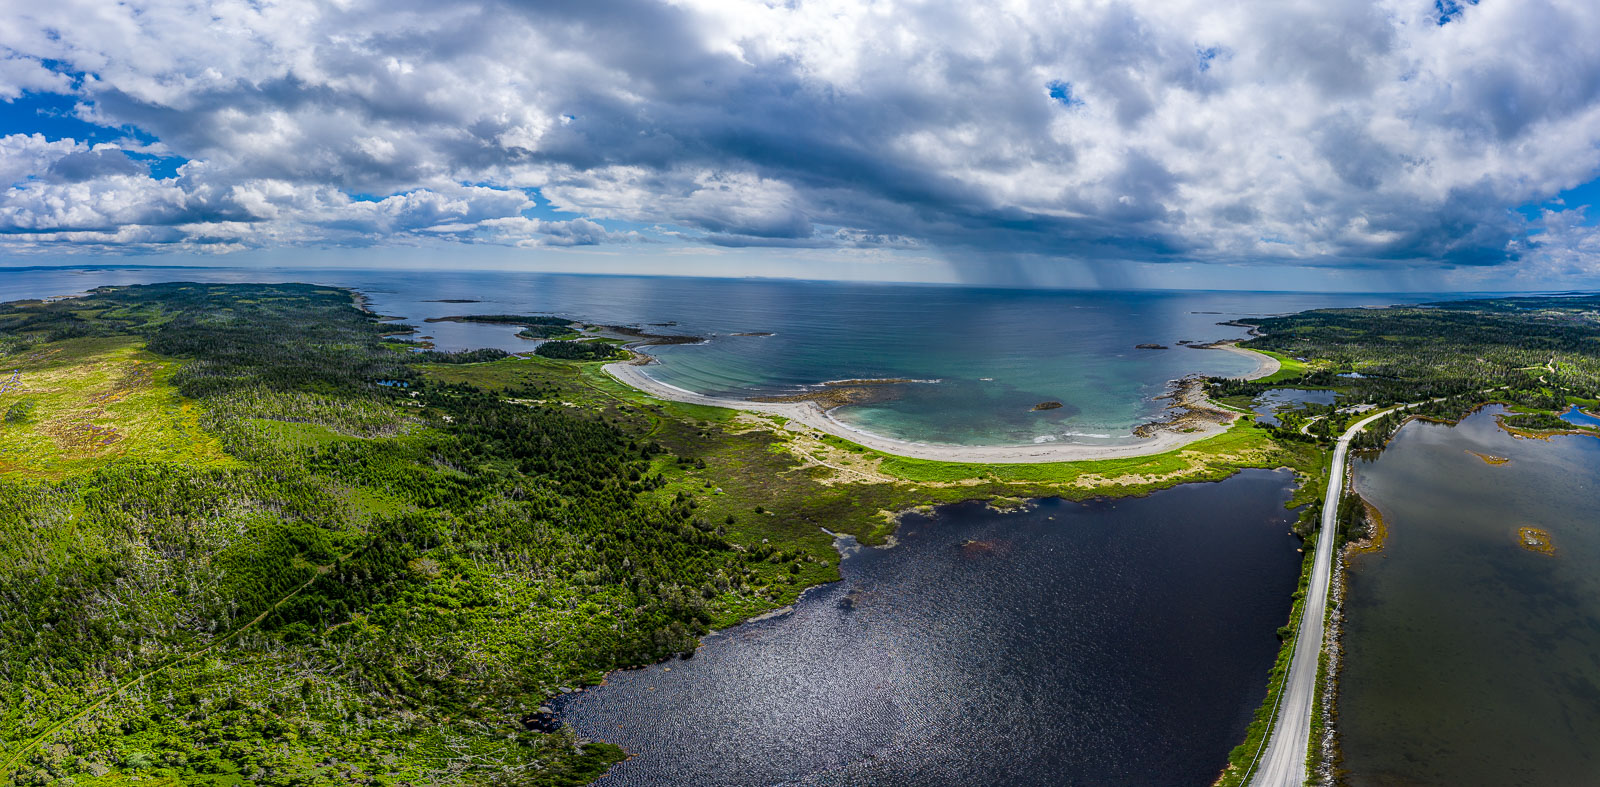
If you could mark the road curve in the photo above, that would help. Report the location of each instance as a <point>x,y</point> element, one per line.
<point>1284,762</point>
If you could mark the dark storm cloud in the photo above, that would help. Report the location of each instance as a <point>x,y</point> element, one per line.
<point>1366,133</point>
<point>90,164</point>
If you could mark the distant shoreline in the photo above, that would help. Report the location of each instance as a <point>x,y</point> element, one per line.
<point>1161,440</point>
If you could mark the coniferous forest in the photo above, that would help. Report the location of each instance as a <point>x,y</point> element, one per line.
<point>337,570</point>
<point>1537,354</point>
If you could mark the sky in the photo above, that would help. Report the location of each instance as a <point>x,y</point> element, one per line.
<point>1281,144</point>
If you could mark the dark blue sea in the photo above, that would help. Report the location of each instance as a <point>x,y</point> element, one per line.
<point>995,353</point>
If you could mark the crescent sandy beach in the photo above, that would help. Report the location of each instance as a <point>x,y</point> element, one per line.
<point>812,414</point>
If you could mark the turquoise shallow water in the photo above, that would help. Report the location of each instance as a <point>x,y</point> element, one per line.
<point>995,353</point>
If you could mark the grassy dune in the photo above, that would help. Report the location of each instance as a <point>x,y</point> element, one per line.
<point>1211,459</point>
<point>1288,368</point>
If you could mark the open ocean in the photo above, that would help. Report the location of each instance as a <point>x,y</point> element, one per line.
<point>994,352</point>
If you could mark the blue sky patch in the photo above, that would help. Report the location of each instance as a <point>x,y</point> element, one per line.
<point>54,116</point>
<point>1586,194</point>
<point>1451,10</point>
<point>1062,93</point>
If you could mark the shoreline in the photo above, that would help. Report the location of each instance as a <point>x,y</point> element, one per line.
<point>1266,365</point>
<point>1160,440</point>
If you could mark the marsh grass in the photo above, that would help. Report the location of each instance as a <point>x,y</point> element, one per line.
<point>94,400</point>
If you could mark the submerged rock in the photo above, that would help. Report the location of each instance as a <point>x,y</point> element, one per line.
<point>974,546</point>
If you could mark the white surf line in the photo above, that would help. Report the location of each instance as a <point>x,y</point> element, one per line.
<point>813,415</point>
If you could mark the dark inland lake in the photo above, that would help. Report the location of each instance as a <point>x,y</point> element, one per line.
<point>1470,660</point>
<point>1107,642</point>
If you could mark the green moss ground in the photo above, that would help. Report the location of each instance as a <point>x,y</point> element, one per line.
<point>94,400</point>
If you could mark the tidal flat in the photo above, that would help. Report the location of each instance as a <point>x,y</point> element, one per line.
<point>1471,658</point>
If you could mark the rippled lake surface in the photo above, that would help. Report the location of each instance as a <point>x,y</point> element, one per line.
<point>996,353</point>
<point>1111,642</point>
<point>1470,660</point>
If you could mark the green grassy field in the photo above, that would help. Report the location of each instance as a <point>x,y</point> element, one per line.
<point>1241,446</point>
<point>81,403</point>
<point>1288,369</point>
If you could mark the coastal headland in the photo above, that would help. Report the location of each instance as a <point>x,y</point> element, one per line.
<point>1195,418</point>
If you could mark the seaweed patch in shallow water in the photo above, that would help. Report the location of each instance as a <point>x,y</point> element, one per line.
<point>1534,539</point>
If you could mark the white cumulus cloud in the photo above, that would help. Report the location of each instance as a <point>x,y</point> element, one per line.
<point>1373,131</point>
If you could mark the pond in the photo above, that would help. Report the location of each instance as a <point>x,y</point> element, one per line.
<point>1108,642</point>
<point>1275,400</point>
<point>1574,415</point>
<point>1470,655</point>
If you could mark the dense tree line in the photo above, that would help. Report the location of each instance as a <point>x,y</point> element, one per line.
<point>580,351</point>
<point>1415,352</point>
<point>427,562</point>
<point>482,355</point>
<point>534,326</point>
<point>515,319</point>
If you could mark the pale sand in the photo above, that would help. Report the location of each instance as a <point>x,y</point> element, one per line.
<point>811,414</point>
<point>1265,364</point>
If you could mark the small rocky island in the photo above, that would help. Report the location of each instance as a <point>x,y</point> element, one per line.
<point>1150,347</point>
<point>1046,406</point>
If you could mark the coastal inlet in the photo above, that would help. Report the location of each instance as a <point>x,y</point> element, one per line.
<point>1107,642</point>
